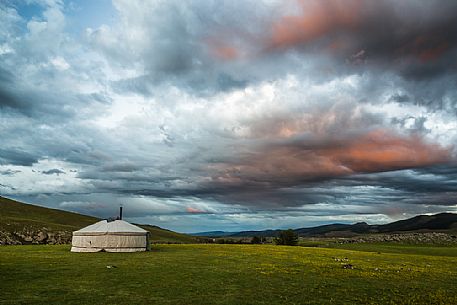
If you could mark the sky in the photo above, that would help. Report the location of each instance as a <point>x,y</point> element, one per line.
<point>230,115</point>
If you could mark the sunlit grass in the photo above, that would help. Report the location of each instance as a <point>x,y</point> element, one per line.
<point>224,274</point>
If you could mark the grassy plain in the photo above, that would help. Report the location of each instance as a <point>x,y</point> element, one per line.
<point>227,274</point>
<point>433,250</point>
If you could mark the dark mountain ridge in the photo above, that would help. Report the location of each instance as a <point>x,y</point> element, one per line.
<point>442,222</point>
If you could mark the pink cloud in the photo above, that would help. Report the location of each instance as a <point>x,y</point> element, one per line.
<point>194,210</point>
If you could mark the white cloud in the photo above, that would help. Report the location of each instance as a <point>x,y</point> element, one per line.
<point>60,63</point>
<point>34,180</point>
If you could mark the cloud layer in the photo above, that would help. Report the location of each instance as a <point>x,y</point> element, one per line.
<point>231,115</point>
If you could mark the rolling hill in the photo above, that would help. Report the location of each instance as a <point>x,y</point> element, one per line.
<point>22,223</point>
<point>213,233</point>
<point>443,222</point>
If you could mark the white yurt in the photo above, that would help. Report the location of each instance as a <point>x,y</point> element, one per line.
<point>110,236</point>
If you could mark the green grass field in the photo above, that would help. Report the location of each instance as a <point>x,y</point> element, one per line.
<point>228,274</point>
<point>433,250</point>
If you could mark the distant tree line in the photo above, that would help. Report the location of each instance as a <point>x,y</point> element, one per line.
<point>287,238</point>
<point>232,241</point>
<point>258,240</point>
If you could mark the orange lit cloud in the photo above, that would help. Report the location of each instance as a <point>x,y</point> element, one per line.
<point>222,49</point>
<point>341,28</point>
<point>317,18</point>
<point>194,210</point>
<point>433,52</point>
<point>425,47</point>
<point>376,151</point>
<point>343,23</point>
<point>383,151</point>
<point>226,52</point>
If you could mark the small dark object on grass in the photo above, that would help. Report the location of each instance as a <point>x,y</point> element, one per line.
<point>110,267</point>
<point>340,259</point>
<point>348,266</point>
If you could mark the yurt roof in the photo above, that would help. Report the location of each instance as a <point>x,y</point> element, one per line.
<point>107,227</point>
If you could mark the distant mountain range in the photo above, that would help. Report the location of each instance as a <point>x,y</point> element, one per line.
<point>443,222</point>
<point>26,223</point>
<point>214,234</point>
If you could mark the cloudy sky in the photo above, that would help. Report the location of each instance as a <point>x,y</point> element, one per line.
<point>230,115</point>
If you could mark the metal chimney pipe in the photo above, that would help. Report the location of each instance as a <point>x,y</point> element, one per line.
<point>120,213</point>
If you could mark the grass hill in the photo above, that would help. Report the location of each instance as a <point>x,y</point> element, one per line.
<point>27,223</point>
<point>17,214</point>
<point>438,222</point>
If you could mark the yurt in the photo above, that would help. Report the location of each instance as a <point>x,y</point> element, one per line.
<point>110,236</point>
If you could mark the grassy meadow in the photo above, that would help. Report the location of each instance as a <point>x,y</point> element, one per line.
<point>229,274</point>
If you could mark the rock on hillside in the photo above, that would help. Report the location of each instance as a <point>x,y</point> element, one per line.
<point>29,235</point>
<point>432,238</point>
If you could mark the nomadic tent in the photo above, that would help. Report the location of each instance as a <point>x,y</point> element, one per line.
<point>110,236</point>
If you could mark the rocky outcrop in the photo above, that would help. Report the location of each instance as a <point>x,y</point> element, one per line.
<point>28,236</point>
<point>406,238</point>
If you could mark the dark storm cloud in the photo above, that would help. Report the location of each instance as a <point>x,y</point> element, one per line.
<point>7,186</point>
<point>8,95</point>
<point>28,103</point>
<point>17,157</point>
<point>7,99</point>
<point>294,173</point>
<point>9,172</point>
<point>379,194</point>
<point>418,39</point>
<point>121,167</point>
<point>53,171</point>
<point>432,179</point>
